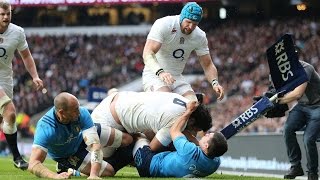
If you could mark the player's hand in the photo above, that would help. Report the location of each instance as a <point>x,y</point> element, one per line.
<point>94,177</point>
<point>38,82</point>
<point>167,78</point>
<point>192,106</point>
<point>63,175</point>
<point>219,91</point>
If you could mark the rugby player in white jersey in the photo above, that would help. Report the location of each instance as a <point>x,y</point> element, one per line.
<point>167,49</point>
<point>12,38</point>
<point>133,112</point>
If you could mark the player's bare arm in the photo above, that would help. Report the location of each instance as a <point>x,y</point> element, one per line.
<point>150,49</point>
<point>92,140</point>
<point>211,74</point>
<point>155,145</point>
<point>179,124</point>
<point>37,168</point>
<point>31,67</point>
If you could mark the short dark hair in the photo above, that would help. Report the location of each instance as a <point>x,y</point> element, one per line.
<point>202,117</point>
<point>217,145</point>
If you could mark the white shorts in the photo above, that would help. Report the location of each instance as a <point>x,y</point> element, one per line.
<point>152,82</point>
<point>7,87</point>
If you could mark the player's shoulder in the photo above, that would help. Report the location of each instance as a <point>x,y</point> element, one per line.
<point>84,112</point>
<point>167,20</point>
<point>15,28</point>
<point>199,32</point>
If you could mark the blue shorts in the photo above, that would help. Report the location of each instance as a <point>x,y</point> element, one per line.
<point>73,161</point>
<point>76,159</point>
<point>142,159</point>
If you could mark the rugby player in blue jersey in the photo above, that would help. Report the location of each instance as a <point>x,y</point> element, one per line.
<point>64,133</point>
<point>189,160</point>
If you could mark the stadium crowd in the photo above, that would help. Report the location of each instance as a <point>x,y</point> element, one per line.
<point>75,62</point>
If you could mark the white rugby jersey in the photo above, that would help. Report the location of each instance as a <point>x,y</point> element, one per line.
<point>12,39</point>
<point>176,46</point>
<point>154,111</point>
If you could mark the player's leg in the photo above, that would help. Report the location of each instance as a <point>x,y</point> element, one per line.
<point>121,157</point>
<point>111,139</point>
<point>152,82</point>
<point>9,127</point>
<point>142,155</point>
<point>182,87</point>
<point>81,162</point>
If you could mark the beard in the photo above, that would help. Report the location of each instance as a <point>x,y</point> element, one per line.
<point>186,31</point>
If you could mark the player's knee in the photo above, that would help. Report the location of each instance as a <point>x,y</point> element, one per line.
<point>10,113</point>
<point>6,105</point>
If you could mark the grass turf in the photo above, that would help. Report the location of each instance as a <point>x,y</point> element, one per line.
<point>9,172</point>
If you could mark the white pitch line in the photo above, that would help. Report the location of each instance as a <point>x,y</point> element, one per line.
<point>258,174</point>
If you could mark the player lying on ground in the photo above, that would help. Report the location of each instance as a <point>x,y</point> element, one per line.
<point>132,112</point>
<point>189,160</point>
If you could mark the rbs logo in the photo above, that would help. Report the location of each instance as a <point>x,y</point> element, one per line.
<point>282,61</point>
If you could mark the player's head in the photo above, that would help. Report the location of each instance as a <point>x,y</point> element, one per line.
<point>5,14</point>
<point>66,107</point>
<point>190,17</point>
<point>200,119</point>
<point>214,144</point>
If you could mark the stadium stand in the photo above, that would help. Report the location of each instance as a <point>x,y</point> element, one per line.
<point>75,62</point>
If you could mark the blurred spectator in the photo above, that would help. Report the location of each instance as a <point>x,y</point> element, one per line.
<point>73,63</point>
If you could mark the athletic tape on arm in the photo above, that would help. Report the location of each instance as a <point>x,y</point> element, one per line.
<point>151,62</point>
<point>96,156</point>
<point>90,136</point>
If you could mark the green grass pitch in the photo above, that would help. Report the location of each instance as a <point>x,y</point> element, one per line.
<point>9,172</point>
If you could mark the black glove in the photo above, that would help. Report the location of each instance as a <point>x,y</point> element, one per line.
<point>279,110</point>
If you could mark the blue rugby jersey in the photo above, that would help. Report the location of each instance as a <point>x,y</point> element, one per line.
<point>61,140</point>
<point>188,160</point>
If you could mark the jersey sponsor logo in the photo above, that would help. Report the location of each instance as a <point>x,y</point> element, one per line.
<point>3,54</point>
<point>193,168</point>
<point>178,54</point>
